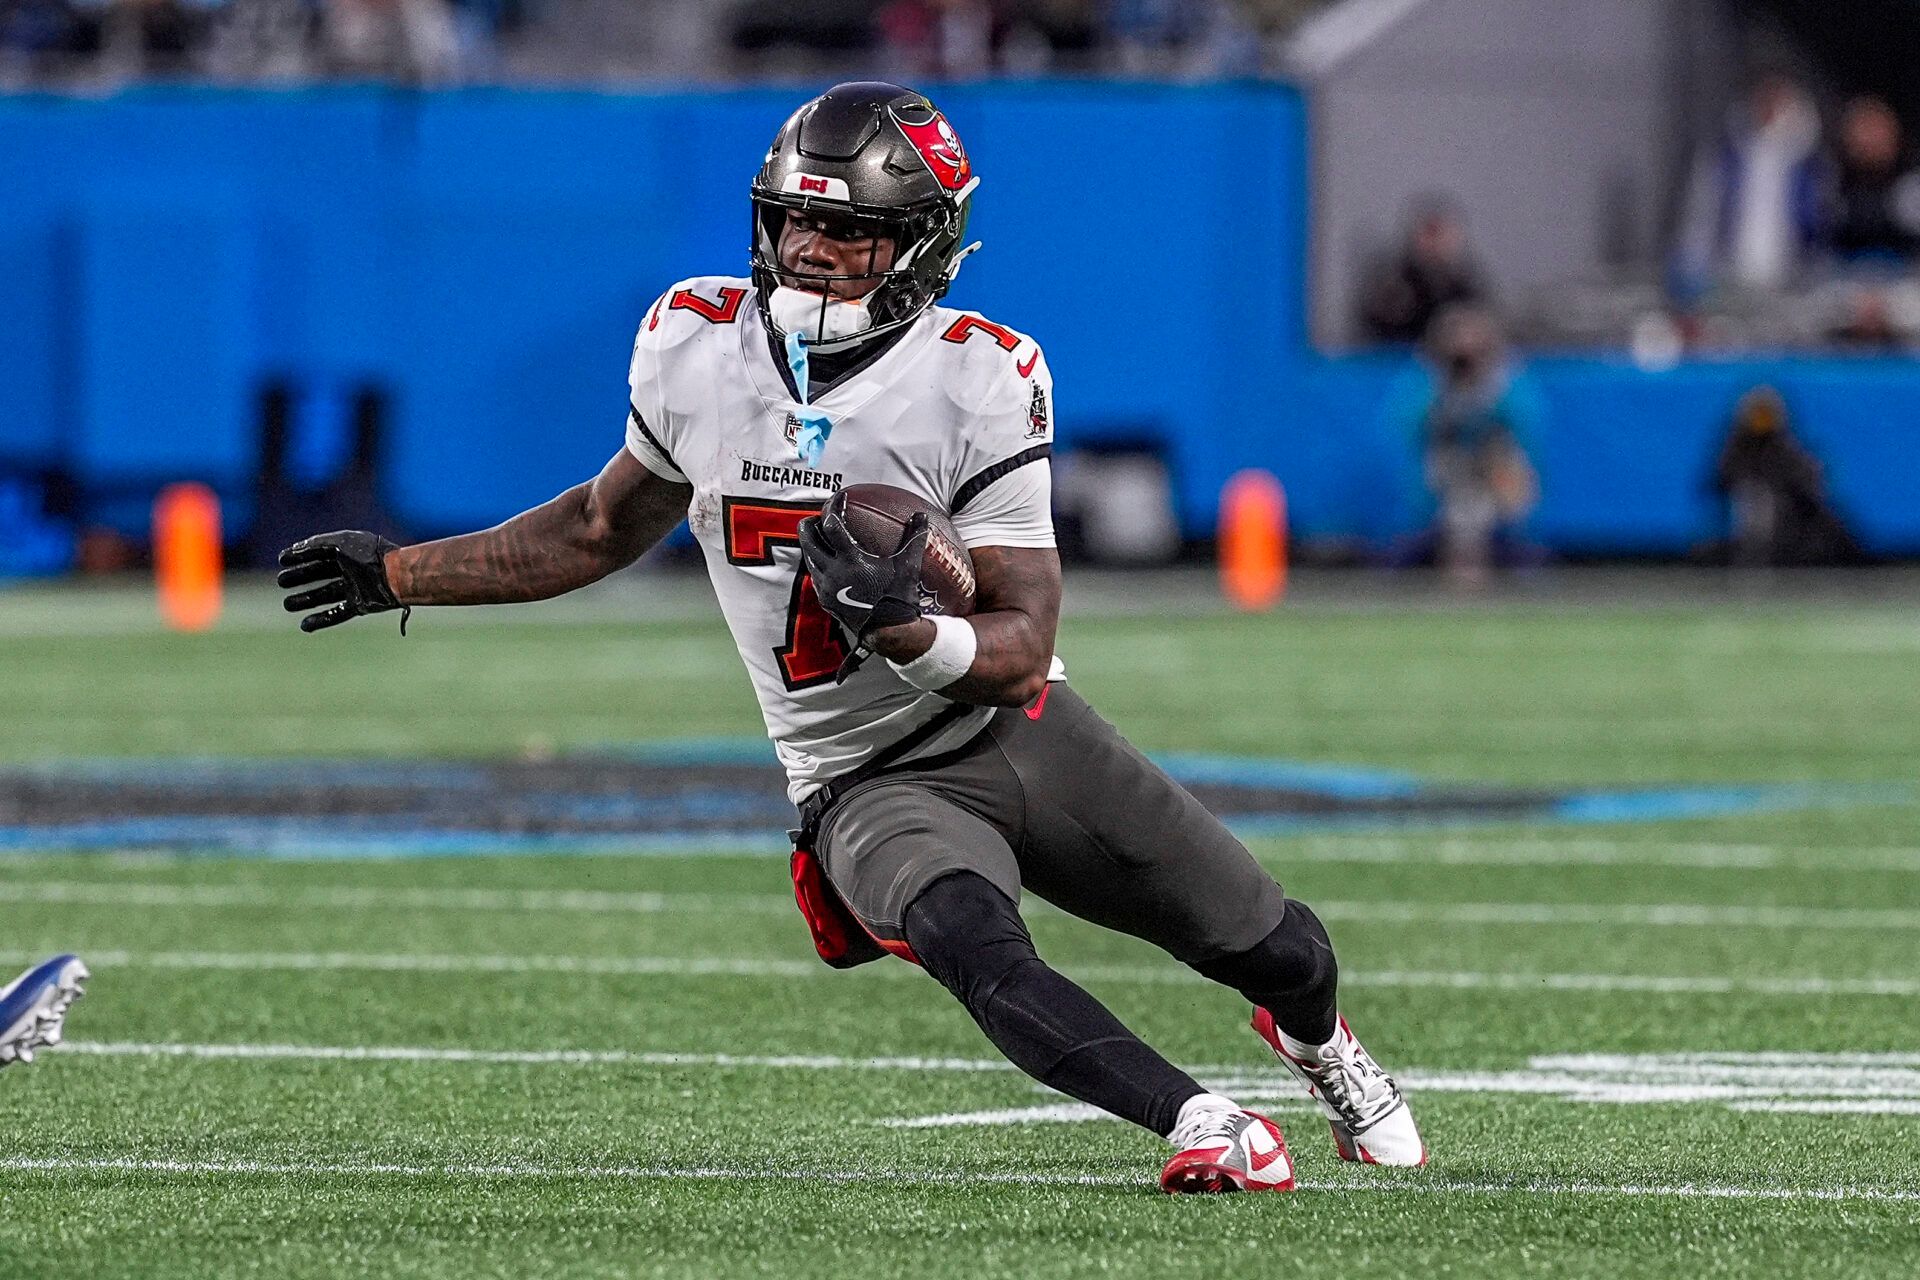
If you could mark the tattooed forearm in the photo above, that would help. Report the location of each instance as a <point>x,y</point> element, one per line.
<point>579,537</point>
<point>1018,613</point>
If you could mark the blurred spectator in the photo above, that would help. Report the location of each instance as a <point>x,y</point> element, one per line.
<point>1473,415</point>
<point>819,34</point>
<point>1046,35</point>
<point>1145,34</point>
<point>1876,197</point>
<point>411,41</point>
<point>1777,506</point>
<point>958,39</point>
<point>425,41</point>
<point>1753,210</point>
<point>1433,270</point>
<point>938,39</point>
<point>1873,233</point>
<point>262,40</point>
<point>142,38</point>
<point>35,34</point>
<point>1190,38</point>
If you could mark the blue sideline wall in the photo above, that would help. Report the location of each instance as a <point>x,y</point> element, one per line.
<point>487,255</point>
<point>1624,454</point>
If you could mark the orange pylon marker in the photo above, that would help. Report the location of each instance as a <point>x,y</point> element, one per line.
<point>1253,541</point>
<point>188,566</point>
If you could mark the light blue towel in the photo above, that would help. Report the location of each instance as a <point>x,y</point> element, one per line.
<point>815,425</point>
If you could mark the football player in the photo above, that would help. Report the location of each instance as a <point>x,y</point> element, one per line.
<point>941,765</point>
<point>34,1005</point>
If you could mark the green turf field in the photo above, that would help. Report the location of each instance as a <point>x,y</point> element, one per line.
<point>1665,1048</point>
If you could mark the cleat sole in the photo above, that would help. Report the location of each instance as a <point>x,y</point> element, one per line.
<point>42,1027</point>
<point>1204,1177</point>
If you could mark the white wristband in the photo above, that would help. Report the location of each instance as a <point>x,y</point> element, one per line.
<point>946,660</point>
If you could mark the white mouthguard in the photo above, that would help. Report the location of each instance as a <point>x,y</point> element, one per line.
<point>797,311</point>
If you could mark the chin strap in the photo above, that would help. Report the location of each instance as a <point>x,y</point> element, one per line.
<point>815,426</point>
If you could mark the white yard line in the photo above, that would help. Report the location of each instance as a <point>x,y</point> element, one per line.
<point>1820,1084</point>
<point>362,898</point>
<point>1658,914</point>
<point>1500,850</point>
<point>1837,1107</point>
<point>1798,1060</point>
<point>1721,1075</point>
<point>372,897</point>
<point>1833,1084</point>
<point>1168,974</point>
<point>1656,984</point>
<point>528,1057</point>
<point>1489,849</point>
<point>1387,1184</point>
<point>411,962</point>
<point>1448,1186</point>
<point>999,1117</point>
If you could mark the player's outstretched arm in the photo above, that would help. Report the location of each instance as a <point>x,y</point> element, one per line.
<point>1016,613</point>
<point>579,537</point>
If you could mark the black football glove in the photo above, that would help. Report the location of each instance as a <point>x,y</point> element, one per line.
<point>861,590</point>
<point>347,570</point>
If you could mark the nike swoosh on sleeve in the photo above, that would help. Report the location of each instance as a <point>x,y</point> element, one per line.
<point>1026,370</point>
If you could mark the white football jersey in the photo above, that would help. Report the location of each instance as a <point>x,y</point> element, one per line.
<point>959,410</point>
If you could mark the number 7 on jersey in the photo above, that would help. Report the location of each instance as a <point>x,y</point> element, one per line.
<point>813,650</point>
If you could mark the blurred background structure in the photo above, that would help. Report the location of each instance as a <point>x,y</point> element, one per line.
<point>1482,282</point>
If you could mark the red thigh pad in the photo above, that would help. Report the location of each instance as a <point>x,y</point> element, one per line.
<point>838,935</point>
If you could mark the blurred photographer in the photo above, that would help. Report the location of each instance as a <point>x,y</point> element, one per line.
<point>1778,511</point>
<point>1433,269</point>
<point>1473,413</point>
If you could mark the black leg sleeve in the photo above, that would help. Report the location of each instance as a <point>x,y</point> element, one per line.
<point>1290,973</point>
<point>971,939</point>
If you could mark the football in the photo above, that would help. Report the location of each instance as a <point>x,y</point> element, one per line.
<point>877,515</point>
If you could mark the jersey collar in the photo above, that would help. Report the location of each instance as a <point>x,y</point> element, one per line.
<point>850,393</point>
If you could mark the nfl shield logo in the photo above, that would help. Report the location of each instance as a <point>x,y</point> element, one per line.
<point>792,429</point>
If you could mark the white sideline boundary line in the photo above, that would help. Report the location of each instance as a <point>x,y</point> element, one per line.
<point>1169,974</point>
<point>1651,915</point>
<point>1417,1185</point>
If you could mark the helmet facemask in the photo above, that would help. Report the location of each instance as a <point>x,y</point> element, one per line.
<point>924,264</point>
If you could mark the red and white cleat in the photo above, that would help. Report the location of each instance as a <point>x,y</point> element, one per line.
<point>1364,1107</point>
<point>1223,1150</point>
